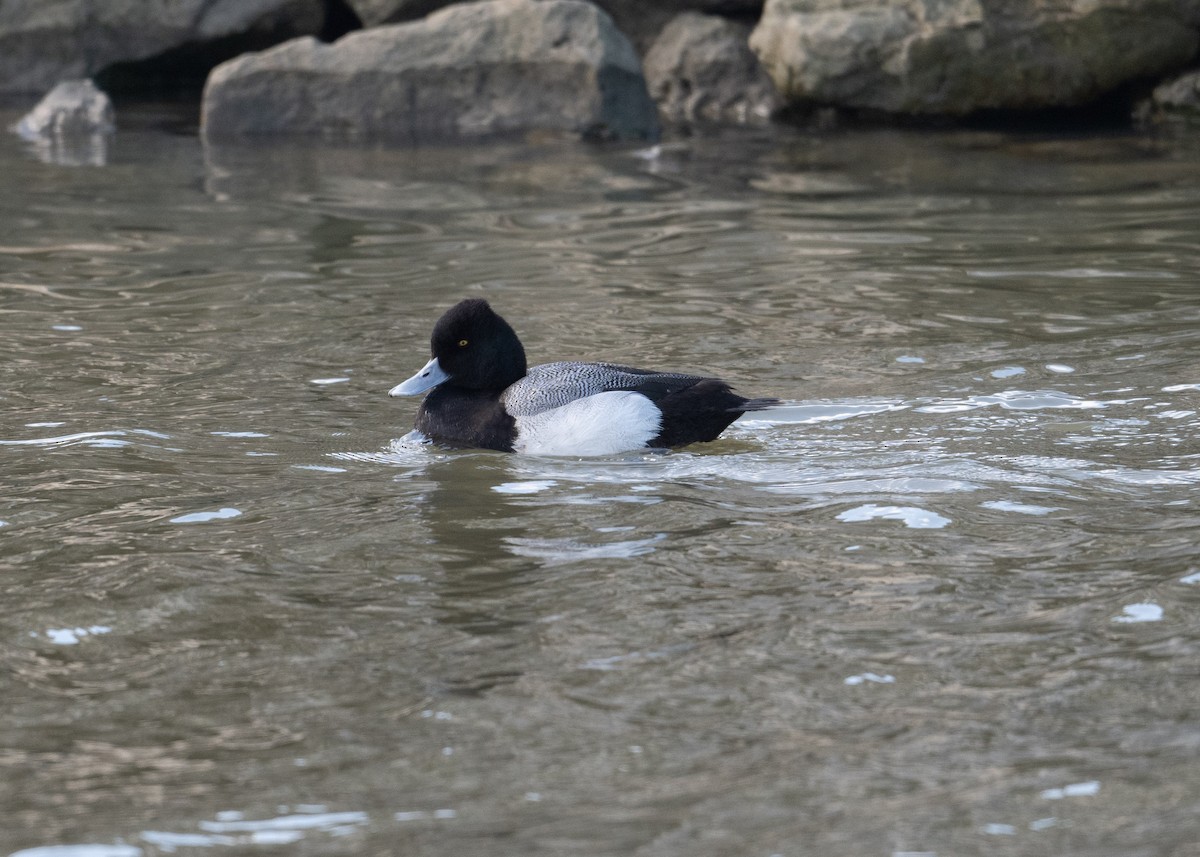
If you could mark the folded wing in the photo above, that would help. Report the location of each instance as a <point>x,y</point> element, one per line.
<point>553,385</point>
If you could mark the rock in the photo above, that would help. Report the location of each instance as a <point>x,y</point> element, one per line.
<point>955,57</point>
<point>72,107</point>
<point>497,67</point>
<point>1179,97</point>
<point>372,13</point>
<point>701,68</point>
<point>70,125</point>
<point>45,41</point>
<point>641,21</point>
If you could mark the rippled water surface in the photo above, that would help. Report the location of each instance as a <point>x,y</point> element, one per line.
<point>947,601</point>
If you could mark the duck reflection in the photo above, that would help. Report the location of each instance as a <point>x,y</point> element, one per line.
<point>496,525</point>
<point>470,527</point>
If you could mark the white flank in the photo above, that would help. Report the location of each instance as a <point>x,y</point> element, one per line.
<point>602,424</point>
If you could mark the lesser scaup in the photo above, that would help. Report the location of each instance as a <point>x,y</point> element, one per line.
<point>483,396</point>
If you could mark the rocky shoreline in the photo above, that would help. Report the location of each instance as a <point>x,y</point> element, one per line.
<point>412,71</point>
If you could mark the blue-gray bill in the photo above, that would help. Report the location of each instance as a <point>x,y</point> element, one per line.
<point>430,376</point>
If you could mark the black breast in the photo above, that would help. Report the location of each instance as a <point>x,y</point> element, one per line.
<point>467,418</point>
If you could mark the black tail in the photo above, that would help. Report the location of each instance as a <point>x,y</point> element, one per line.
<point>701,412</point>
<point>757,404</point>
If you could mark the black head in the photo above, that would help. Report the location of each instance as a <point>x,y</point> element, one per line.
<point>476,347</point>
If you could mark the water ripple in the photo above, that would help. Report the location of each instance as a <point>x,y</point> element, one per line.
<point>66,439</point>
<point>966,544</point>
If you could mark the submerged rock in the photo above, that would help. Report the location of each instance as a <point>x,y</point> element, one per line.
<point>70,125</point>
<point>955,57</point>
<point>491,68</point>
<point>701,68</point>
<point>44,41</point>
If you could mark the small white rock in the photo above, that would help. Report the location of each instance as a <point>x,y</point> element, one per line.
<point>72,108</point>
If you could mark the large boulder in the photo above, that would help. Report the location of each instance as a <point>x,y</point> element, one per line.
<point>498,67</point>
<point>956,57</point>
<point>701,68</point>
<point>45,41</point>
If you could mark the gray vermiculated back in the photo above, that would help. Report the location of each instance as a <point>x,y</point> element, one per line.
<point>552,385</point>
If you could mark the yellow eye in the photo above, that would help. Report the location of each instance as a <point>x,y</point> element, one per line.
<point>462,343</point>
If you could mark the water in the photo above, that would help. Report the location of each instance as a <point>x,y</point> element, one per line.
<point>945,602</point>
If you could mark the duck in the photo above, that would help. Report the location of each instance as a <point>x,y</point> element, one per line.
<point>480,394</point>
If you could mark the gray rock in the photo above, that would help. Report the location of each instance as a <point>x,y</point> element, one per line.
<point>643,21</point>
<point>955,57</point>
<point>701,68</point>
<point>474,70</point>
<point>72,107</point>
<point>372,13</point>
<point>1179,97</point>
<point>70,125</point>
<point>44,41</point>
<point>640,20</point>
